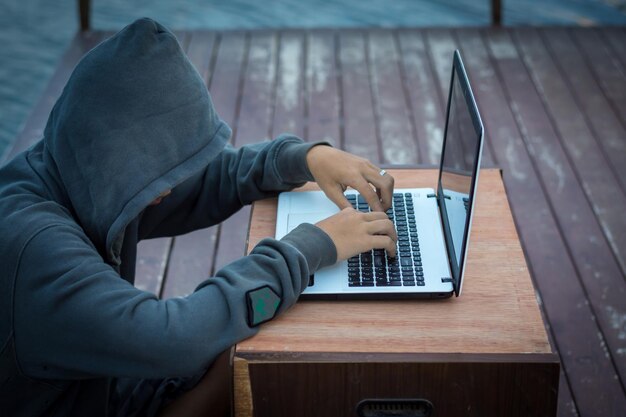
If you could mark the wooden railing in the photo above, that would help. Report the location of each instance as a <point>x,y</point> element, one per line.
<point>84,13</point>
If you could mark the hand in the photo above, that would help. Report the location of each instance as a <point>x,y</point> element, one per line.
<point>354,232</point>
<point>335,170</point>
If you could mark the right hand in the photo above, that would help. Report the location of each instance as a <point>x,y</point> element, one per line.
<point>354,232</point>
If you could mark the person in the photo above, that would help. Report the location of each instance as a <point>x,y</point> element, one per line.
<point>133,149</point>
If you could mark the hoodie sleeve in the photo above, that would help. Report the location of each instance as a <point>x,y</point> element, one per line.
<point>76,318</point>
<point>235,178</point>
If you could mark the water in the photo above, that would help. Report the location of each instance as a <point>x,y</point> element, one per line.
<point>35,33</point>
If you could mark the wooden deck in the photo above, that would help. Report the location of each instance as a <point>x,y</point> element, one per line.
<point>554,107</point>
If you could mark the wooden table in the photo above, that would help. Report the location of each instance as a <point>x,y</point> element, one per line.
<point>485,353</point>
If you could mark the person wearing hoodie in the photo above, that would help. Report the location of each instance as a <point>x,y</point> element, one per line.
<point>133,149</point>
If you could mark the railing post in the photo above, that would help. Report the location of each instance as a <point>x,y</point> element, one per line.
<point>496,12</point>
<point>84,13</point>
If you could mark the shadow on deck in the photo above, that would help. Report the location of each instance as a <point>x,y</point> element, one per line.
<point>554,106</point>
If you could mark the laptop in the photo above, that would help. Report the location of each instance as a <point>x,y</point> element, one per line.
<point>433,226</point>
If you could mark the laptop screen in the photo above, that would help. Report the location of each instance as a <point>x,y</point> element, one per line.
<point>460,160</point>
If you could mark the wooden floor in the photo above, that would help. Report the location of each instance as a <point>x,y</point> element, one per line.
<point>554,107</point>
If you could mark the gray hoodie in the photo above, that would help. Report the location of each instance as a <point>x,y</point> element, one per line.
<point>134,120</point>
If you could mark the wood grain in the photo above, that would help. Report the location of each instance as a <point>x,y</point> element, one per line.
<point>322,88</point>
<point>441,46</point>
<point>497,312</point>
<point>454,389</point>
<point>606,66</point>
<point>538,232</point>
<point>425,102</point>
<point>577,229</point>
<point>360,136</point>
<point>289,105</point>
<point>396,133</point>
<point>242,389</point>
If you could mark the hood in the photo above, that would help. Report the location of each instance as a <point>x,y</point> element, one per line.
<point>134,120</point>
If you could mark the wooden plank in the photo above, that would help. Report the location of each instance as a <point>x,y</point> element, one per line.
<point>396,133</point>
<point>190,262</point>
<point>227,75</point>
<point>202,45</point>
<point>322,88</point>
<point>599,180</point>
<point>289,104</point>
<point>253,124</point>
<point>441,45</point>
<point>152,257</point>
<point>597,110</point>
<point>616,38</point>
<point>538,232</point>
<point>606,66</point>
<point>593,392</point>
<point>36,121</point>
<point>243,406</point>
<point>424,98</point>
<point>601,275</point>
<point>469,389</point>
<point>358,110</point>
<point>183,38</point>
<point>191,255</point>
<point>226,81</point>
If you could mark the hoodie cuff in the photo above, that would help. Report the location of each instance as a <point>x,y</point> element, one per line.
<point>291,160</point>
<point>316,246</point>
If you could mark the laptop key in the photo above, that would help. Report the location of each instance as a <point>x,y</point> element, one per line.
<point>406,262</point>
<point>408,283</point>
<point>367,284</point>
<point>420,283</point>
<point>354,284</point>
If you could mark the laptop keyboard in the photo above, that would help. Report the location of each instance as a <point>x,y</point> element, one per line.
<point>376,268</point>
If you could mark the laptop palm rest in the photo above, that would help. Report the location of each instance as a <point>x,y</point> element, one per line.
<point>325,280</point>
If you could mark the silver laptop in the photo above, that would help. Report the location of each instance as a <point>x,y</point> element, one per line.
<point>433,226</point>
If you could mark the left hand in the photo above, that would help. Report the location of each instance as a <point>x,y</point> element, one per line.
<point>335,170</point>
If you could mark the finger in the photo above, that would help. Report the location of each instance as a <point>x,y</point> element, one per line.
<point>336,195</point>
<point>374,215</point>
<point>384,186</point>
<point>382,227</point>
<point>368,193</point>
<point>384,242</point>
